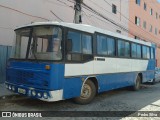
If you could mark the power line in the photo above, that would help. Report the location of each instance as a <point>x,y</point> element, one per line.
<point>130,20</point>
<point>56,15</point>
<point>23,12</point>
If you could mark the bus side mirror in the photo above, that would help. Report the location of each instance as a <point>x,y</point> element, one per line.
<point>69,45</point>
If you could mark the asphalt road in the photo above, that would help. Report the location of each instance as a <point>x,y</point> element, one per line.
<point>117,100</point>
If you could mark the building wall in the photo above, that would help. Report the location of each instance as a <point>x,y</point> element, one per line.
<point>105,8</point>
<point>144,15</point>
<point>21,12</point>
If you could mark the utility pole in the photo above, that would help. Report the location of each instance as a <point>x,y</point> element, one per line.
<point>78,9</point>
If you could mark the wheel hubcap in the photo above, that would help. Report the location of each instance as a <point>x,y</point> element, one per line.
<point>86,91</point>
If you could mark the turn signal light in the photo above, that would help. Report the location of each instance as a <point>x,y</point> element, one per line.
<point>47,67</point>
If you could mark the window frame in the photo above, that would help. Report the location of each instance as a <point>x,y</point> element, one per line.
<point>138,2</point>
<point>119,39</point>
<point>146,51</point>
<point>114,9</point>
<point>102,55</point>
<point>82,55</point>
<point>145,6</point>
<point>137,21</point>
<point>136,50</point>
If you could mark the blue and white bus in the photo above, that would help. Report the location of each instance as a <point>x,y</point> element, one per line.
<point>55,61</point>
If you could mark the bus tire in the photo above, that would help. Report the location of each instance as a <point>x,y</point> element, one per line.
<point>88,93</point>
<point>153,82</point>
<point>137,85</point>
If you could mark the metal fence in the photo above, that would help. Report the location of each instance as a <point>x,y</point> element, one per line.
<point>4,55</point>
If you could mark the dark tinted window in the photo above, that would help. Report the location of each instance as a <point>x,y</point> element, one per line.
<point>146,52</point>
<point>134,50</point>
<point>111,46</point>
<point>127,49</point>
<point>101,45</point>
<point>139,53</point>
<point>138,2</point>
<point>86,44</point>
<point>105,45</point>
<point>123,48</point>
<point>114,9</point>
<point>75,38</point>
<point>152,53</point>
<point>79,46</point>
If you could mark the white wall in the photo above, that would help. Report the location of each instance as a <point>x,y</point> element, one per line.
<point>10,19</point>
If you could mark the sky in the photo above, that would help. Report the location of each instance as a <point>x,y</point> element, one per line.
<point>158,1</point>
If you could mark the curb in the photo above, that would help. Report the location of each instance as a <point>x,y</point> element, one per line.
<point>11,97</point>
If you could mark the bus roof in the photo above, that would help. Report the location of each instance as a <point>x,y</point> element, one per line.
<point>89,29</point>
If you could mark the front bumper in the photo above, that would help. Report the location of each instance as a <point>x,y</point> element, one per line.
<point>44,95</point>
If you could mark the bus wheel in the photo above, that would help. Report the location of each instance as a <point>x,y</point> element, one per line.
<point>87,94</point>
<point>153,82</point>
<point>137,84</point>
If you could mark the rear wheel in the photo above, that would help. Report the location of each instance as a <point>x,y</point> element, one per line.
<point>153,82</point>
<point>87,94</point>
<point>137,84</point>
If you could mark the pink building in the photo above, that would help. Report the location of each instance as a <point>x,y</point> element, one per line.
<point>144,16</point>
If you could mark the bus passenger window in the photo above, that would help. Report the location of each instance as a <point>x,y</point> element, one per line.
<point>148,53</point>
<point>75,37</point>
<point>139,54</point>
<point>87,44</point>
<point>134,50</point>
<point>111,46</point>
<point>152,53</point>
<point>101,45</point>
<point>121,48</point>
<point>127,49</point>
<point>144,49</point>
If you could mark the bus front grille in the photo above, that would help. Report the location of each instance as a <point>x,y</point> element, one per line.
<point>36,78</point>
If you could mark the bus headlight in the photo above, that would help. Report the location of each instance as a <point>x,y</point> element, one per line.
<point>13,88</point>
<point>45,95</point>
<point>10,87</point>
<point>39,94</point>
<point>33,93</point>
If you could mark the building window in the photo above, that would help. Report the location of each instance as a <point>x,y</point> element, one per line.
<point>151,11</point>
<point>136,38</point>
<point>137,21</point>
<point>114,9</point>
<point>138,2</point>
<point>156,31</point>
<point>156,15</point>
<point>145,6</point>
<point>144,24</point>
<point>118,31</point>
<point>150,29</point>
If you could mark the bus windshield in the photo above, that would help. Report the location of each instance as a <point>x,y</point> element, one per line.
<point>40,43</point>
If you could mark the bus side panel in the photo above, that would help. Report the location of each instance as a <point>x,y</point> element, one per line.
<point>148,75</point>
<point>114,81</point>
<point>57,76</point>
<point>72,87</point>
<point>150,72</point>
<point>151,64</point>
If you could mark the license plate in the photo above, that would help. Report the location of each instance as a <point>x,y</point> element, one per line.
<point>20,90</point>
